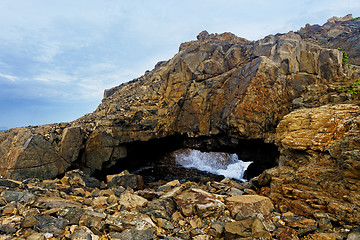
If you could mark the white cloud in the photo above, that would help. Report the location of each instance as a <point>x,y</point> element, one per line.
<point>9,77</point>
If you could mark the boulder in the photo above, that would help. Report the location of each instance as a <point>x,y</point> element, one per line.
<point>198,202</point>
<point>132,201</point>
<point>245,206</point>
<point>133,181</point>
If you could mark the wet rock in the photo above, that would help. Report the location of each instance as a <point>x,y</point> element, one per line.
<point>248,206</point>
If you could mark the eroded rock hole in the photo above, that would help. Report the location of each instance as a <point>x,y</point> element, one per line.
<point>196,159</point>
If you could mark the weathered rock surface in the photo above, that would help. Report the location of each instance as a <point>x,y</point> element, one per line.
<point>245,206</point>
<point>319,173</point>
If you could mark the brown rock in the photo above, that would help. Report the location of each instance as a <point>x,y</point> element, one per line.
<point>288,234</point>
<point>132,201</point>
<point>129,220</point>
<point>238,229</point>
<point>133,181</point>
<point>199,202</point>
<point>319,159</point>
<point>248,205</point>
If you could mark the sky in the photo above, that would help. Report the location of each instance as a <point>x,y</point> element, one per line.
<point>57,57</point>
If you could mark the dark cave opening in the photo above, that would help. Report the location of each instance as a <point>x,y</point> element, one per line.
<point>151,158</point>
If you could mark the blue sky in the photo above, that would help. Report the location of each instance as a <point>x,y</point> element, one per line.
<point>57,57</point>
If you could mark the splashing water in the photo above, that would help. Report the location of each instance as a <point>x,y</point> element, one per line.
<point>218,163</point>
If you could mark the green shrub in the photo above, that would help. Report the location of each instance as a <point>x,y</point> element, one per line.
<point>354,19</point>
<point>345,59</point>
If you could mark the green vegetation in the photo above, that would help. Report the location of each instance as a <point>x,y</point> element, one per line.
<point>345,59</point>
<point>354,89</point>
<point>354,19</point>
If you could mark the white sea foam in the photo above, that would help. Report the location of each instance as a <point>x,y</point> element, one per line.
<point>214,162</point>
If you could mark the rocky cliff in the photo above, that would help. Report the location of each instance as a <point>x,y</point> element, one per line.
<point>218,92</point>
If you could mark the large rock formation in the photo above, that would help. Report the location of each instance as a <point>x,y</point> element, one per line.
<point>218,87</point>
<point>319,163</point>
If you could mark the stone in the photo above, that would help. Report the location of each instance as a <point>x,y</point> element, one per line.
<point>99,201</point>
<point>201,237</point>
<point>322,236</point>
<point>49,224</point>
<point>132,201</point>
<point>110,177</point>
<point>18,196</point>
<point>135,234</point>
<point>238,229</point>
<point>248,206</point>
<point>55,202</point>
<point>354,234</point>
<point>71,143</point>
<point>82,232</point>
<point>160,208</point>
<point>29,222</point>
<point>133,181</point>
<point>198,202</point>
<point>168,186</point>
<point>7,229</point>
<point>288,233</point>
<point>120,221</point>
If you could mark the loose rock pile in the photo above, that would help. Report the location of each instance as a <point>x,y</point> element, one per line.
<point>81,207</point>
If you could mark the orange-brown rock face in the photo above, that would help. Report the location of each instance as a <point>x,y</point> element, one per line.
<point>219,85</point>
<point>319,173</point>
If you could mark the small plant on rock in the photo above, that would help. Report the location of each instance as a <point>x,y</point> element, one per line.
<point>354,89</point>
<point>345,59</point>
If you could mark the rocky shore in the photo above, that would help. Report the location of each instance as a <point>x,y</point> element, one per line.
<point>77,206</point>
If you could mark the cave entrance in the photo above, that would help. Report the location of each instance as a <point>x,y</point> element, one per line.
<point>170,158</point>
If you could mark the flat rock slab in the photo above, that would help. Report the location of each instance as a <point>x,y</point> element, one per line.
<point>198,202</point>
<point>55,202</point>
<point>248,206</point>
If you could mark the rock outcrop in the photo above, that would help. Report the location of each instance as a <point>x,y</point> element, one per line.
<point>218,92</point>
<point>319,163</point>
<point>220,85</point>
